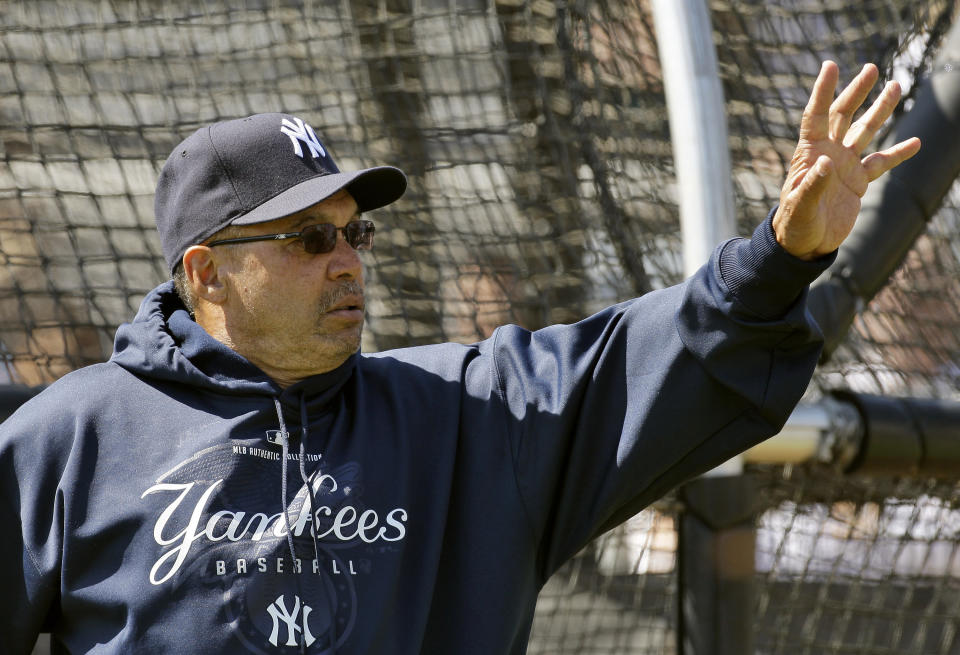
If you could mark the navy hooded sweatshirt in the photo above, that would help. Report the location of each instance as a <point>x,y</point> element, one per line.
<point>176,500</point>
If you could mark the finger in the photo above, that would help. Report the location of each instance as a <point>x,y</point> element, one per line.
<point>814,183</point>
<point>850,99</point>
<point>862,132</point>
<point>880,162</point>
<point>814,125</point>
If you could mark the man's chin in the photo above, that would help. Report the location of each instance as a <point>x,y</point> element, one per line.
<point>340,344</point>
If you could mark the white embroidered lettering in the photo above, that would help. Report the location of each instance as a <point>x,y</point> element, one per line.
<point>299,131</point>
<point>278,612</point>
<point>179,525</point>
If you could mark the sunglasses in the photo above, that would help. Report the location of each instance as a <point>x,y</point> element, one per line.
<point>320,238</point>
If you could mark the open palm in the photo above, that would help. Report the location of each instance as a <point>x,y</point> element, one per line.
<point>828,175</point>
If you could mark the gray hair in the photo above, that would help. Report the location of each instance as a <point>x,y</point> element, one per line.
<point>184,290</point>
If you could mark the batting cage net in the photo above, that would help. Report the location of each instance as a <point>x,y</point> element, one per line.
<point>542,187</point>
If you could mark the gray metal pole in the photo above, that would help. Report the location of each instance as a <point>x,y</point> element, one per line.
<point>698,127</point>
<point>715,554</point>
<point>698,134</point>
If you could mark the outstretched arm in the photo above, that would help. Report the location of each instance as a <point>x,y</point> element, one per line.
<point>828,175</point>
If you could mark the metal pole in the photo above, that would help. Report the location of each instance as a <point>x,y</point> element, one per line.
<point>698,127</point>
<point>715,557</point>
<point>716,566</point>
<point>698,134</point>
<point>829,431</point>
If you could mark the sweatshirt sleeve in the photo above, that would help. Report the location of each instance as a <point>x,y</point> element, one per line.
<point>607,415</point>
<point>30,511</point>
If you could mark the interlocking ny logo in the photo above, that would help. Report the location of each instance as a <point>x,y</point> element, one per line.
<point>278,612</point>
<point>299,131</point>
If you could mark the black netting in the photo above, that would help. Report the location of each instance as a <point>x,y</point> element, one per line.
<point>857,565</point>
<point>535,136</point>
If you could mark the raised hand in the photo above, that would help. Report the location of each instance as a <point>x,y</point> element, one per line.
<point>828,175</point>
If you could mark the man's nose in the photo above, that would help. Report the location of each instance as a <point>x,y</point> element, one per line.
<point>344,261</point>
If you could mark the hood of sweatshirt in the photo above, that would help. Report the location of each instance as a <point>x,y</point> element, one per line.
<point>164,343</point>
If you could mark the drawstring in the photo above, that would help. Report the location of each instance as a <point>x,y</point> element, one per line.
<point>285,442</point>
<point>308,481</point>
<point>311,498</point>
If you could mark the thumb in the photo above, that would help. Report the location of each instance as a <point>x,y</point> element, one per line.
<point>815,182</point>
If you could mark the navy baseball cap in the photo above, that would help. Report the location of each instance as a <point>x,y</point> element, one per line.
<point>251,170</point>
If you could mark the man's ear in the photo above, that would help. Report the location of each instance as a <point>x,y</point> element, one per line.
<point>203,274</point>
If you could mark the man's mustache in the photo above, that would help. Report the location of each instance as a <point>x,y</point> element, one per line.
<point>331,297</point>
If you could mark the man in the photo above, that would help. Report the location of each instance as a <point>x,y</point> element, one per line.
<point>243,480</point>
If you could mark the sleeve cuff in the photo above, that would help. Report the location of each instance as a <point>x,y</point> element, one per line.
<point>763,276</point>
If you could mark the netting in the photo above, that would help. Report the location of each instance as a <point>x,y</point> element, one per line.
<point>870,566</point>
<point>535,137</point>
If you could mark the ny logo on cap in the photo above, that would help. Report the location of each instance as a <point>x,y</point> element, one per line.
<point>299,131</point>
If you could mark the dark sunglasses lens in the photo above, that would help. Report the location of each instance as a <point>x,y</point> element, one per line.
<point>359,234</point>
<point>320,238</point>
